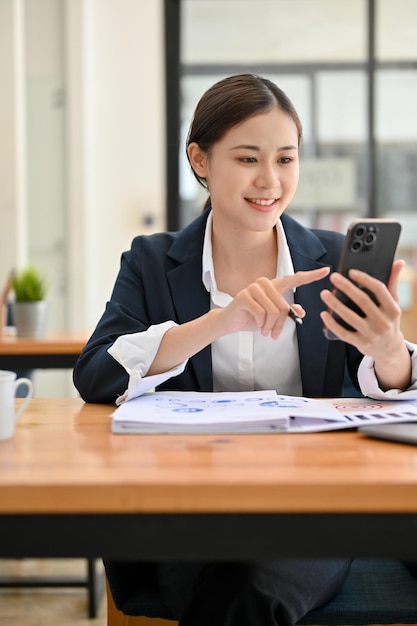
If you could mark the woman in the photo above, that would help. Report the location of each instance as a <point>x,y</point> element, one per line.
<point>207,309</point>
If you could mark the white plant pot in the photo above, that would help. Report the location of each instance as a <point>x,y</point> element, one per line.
<point>30,318</point>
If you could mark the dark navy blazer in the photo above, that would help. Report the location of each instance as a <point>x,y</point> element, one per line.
<point>160,280</point>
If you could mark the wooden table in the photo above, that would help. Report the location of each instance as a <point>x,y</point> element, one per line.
<point>70,488</point>
<point>53,347</point>
<point>55,350</point>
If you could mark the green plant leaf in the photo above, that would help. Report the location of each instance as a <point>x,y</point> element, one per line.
<point>29,285</point>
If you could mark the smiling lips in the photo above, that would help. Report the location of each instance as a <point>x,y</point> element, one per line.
<point>263,204</point>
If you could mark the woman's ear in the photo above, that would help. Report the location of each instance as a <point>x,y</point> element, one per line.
<point>198,159</point>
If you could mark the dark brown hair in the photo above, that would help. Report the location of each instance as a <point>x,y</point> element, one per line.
<point>231,101</point>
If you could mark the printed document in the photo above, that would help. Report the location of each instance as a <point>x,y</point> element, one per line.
<point>197,412</point>
<point>252,412</point>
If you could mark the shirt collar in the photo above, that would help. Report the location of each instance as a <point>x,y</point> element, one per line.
<point>284,264</point>
<point>208,278</point>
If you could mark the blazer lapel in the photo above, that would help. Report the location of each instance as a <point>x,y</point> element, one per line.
<point>189,296</point>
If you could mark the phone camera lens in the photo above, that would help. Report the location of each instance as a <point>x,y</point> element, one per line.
<point>370,239</point>
<point>357,245</point>
<point>360,230</point>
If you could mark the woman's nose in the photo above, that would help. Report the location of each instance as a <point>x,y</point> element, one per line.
<point>268,177</point>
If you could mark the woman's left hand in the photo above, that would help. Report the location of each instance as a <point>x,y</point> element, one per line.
<point>378,334</point>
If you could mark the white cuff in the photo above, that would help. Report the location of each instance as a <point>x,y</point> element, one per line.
<point>369,383</point>
<point>136,352</point>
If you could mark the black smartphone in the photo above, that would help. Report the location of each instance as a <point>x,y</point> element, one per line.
<point>370,246</point>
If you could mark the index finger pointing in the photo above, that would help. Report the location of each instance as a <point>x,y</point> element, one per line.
<point>301,278</point>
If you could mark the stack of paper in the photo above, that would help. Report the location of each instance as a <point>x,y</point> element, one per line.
<point>252,412</point>
<point>224,412</point>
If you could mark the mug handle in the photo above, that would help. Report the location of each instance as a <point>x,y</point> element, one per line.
<point>17,384</point>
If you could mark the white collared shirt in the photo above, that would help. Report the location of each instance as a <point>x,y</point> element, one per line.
<point>247,361</point>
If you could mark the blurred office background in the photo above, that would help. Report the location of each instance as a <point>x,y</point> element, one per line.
<point>96,98</point>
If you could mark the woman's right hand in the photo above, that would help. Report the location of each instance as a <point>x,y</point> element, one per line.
<point>261,305</point>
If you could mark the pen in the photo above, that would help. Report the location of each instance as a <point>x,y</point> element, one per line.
<point>294,316</point>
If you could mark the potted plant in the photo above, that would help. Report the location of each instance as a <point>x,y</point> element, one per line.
<point>29,307</point>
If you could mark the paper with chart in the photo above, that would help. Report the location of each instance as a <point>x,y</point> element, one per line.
<point>356,412</point>
<point>254,411</point>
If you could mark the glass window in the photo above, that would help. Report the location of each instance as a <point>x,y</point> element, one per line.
<point>396,30</point>
<point>395,117</point>
<point>317,51</point>
<point>396,143</point>
<point>272,31</point>
<point>302,45</point>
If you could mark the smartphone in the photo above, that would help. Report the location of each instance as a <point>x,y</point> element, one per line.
<point>370,246</point>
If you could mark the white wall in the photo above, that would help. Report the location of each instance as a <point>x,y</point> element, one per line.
<point>45,149</point>
<point>85,79</point>
<point>12,145</point>
<point>116,167</point>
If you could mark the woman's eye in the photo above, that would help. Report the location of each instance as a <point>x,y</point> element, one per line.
<point>248,160</point>
<point>285,160</point>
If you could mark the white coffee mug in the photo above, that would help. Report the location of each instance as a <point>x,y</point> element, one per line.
<point>9,384</point>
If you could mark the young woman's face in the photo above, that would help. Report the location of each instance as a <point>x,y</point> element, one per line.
<point>252,172</point>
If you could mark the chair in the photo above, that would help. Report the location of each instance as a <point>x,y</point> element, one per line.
<point>93,582</point>
<point>377,591</point>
